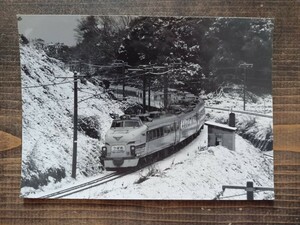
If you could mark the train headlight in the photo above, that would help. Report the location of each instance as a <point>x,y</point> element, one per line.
<point>104,151</point>
<point>132,150</point>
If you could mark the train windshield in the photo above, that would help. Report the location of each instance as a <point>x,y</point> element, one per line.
<point>131,123</point>
<point>125,123</point>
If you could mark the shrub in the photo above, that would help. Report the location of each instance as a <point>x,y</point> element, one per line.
<point>90,126</point>
<point>152,171</point>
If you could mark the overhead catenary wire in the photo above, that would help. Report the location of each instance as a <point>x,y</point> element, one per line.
<point>153,67</point>
<point>93,96</point>
<point>45,85</point>
<point>87,91</point>
<point>59,83</point>
<point>134,70</point>
<point>101,66</point>
<point>98,75</point>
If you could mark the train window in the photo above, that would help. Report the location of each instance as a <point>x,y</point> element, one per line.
<point>166,130</point>
<point>160,132</point>
<point>154,134</point>
<point>149,136</point>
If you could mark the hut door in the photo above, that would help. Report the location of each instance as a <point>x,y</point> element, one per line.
<point>218,140</point>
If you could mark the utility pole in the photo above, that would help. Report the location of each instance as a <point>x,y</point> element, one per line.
<point>245,66</point>
<point>123,75</point>
<point>149,98</point>
<point>144,92</point>
<point>144,79</point>
<point>75,122</point>
<point>149,89</point>
<point>166,87</point>
<point>250,191</point>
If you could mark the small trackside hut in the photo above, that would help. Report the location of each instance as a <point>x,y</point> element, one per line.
<point>222,134</point>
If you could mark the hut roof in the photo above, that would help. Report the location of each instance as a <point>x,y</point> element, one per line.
<point>224,126</point>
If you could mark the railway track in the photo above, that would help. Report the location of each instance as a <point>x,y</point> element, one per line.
<point>90,184</point>
<point>239,111</point>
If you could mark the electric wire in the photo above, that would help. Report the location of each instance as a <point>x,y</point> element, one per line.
<point>46,85</point>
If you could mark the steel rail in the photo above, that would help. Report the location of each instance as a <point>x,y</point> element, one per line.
<point>238,111</point>
<point>95,184</point>
<point>80,185</point>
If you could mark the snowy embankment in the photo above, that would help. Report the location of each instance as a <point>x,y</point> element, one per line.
<point>47,96</point>
<point>195,172</point>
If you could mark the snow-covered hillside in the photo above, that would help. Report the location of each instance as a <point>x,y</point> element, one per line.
<point>48,120</point>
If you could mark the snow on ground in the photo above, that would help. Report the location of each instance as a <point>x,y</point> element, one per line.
<point>48,120</point>
<point>195,172</point>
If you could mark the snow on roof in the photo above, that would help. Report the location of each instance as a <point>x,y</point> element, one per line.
<point>220,125</point>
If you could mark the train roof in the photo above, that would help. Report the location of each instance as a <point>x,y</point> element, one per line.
<point>167,118</point>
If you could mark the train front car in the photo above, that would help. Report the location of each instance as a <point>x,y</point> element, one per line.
<point>124,143</point>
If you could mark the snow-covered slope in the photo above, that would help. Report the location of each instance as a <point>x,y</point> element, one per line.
<point>48,120</point>
<point>195,172</point>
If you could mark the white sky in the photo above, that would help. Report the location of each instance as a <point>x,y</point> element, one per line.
<point>50,28</point>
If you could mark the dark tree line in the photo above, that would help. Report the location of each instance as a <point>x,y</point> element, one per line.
<point>207,51</point>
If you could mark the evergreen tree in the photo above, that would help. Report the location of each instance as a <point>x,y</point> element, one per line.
<point>155,40</point>
<point>99,38</point>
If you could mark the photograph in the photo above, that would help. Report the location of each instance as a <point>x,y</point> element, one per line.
<point>146,107</point>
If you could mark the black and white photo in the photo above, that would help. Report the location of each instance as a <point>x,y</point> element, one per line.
<point>140,107</point>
